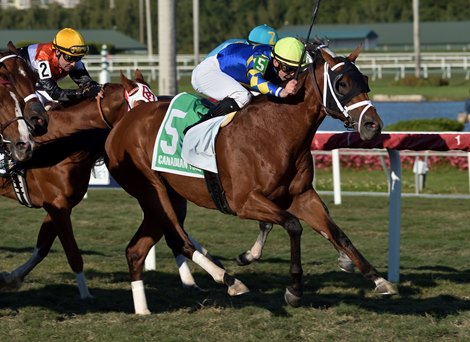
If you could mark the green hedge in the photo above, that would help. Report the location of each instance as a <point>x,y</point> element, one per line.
<point>427,125</point>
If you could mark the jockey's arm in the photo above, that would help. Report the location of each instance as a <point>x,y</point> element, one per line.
<point>260,84</point>
<point>57,93</point>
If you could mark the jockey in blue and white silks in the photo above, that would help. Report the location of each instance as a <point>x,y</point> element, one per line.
<point>238,69</point>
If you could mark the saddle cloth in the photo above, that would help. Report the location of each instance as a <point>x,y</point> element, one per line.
<point>188,154</point>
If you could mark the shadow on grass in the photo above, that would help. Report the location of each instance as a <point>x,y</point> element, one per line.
<point>322,291</point>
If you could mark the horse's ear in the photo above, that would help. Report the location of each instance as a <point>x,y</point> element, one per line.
<point>127,83</point>
<point>12,47</point>
<point>328,58</point>
<point>138,76</point>
<point>353,55</point>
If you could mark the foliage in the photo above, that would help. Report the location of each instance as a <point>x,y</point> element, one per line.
<point>427,125</point>
<point>221,20</point>
<point>413,81</point>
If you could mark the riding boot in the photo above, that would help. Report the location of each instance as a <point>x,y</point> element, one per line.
<point>223,107</point>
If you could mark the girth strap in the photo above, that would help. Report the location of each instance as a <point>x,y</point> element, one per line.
<point>18,178</point>
<point>214,186</point>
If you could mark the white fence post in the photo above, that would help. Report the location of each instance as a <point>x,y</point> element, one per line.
<point>336,176</point>
<point>394,217</point>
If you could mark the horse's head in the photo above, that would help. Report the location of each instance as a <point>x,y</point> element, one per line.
<point>136,91</point>
<point>15,137</point>
<point>345,94</point>
<point>14,69</point>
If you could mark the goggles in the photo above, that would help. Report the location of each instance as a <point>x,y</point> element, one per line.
<point>288,69</point>
<point>71,59</point>
<point>74,50</point>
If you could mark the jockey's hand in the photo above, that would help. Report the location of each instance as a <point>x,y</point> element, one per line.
<point>91,90</point>
<point>289,89</point>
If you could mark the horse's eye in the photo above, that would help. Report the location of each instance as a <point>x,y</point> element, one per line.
<point>340,84</point>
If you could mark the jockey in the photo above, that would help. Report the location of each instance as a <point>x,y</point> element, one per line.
<point>262,34</point>
<point>53,61</point>
<point>236,71</point>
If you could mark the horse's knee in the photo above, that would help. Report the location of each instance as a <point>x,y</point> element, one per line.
<point>134,260</point>
<point>294,227</point>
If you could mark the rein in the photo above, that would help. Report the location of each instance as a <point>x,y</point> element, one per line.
<point>100,110</point>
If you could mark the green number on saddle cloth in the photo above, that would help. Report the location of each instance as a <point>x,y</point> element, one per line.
<point>185,109</point>
<point>260,63</point>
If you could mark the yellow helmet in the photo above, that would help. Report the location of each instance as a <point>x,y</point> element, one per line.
<point>289,50</point>
<point>70,42</point>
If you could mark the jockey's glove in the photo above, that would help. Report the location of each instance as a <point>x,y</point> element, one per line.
<point>90,89</point>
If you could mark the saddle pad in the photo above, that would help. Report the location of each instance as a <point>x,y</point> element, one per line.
<point>183,112</point>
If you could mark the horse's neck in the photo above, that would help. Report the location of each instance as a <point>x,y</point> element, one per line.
<point>308,113</point>
<point>67,121</point>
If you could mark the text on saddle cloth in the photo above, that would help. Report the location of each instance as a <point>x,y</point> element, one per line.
<point>187,154</point>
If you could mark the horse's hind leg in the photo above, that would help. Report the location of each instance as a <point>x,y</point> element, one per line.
<point>187,278</point>
<point>310,208</point>
<point>255,252</point>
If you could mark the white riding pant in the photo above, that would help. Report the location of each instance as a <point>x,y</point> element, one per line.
<point>208,79</point>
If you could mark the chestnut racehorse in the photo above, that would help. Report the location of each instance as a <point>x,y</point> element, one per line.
<point>74,142</point>
<point>264,166</point>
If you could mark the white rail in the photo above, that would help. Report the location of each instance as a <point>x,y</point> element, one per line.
<point>376,64</point>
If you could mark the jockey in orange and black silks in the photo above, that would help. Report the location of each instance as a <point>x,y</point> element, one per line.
<point>239,70</point>
<point>55,60</point>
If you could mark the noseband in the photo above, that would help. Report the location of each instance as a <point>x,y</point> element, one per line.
<point>335,103</point>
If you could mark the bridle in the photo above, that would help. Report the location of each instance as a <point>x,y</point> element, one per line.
<point>333,102</point>
<point>4,126</point>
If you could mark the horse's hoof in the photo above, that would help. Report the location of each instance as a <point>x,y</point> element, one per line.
<point>8,283</point>
<point>384,287</point>
<point>292,299</point>
<point>237,289</point>
<point>143,312</point>
<point>244,259</point>
<point>89,297</point>
<point>345,264</point>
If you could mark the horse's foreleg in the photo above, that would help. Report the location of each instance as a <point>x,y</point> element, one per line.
<point>258,207</point>
<point>294,293</point>
<point>60,217</point>
<point>310,208</point>
<point>255,252</point>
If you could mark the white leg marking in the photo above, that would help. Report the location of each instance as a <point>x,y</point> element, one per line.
<point>138,295</point>
<point>185,273</point>
<point>215,271</point>
<point>82,286</point>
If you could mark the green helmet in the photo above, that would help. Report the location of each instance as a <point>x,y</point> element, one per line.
<point>289,51</point>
